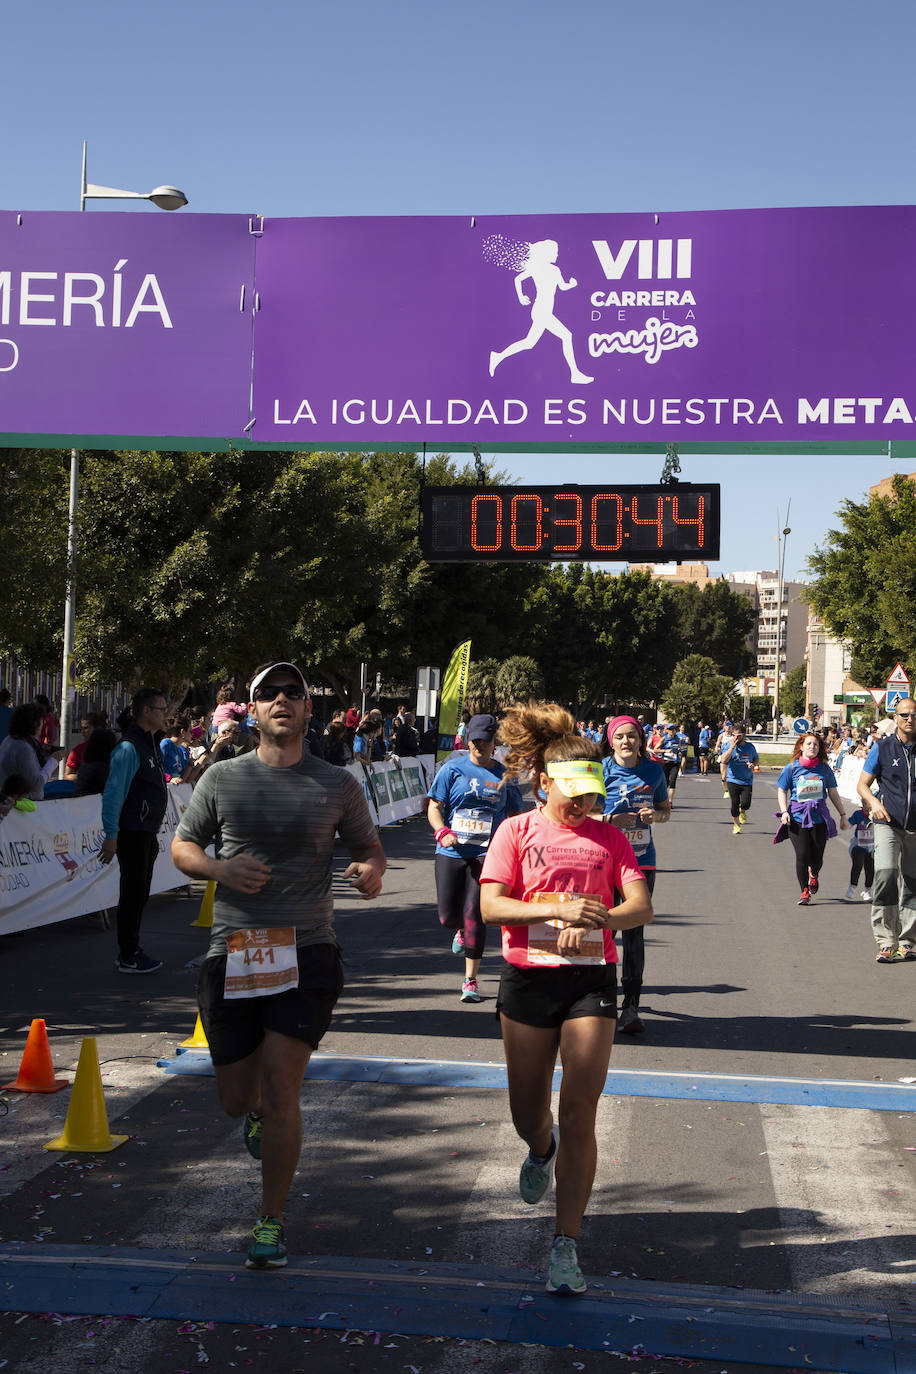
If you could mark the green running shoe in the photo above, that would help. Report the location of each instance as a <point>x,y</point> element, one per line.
<point>252,1131</point>
<point>565,1275</point>
<point>266,1250</point>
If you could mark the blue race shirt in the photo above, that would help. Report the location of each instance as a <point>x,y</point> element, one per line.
<point>741,765</point>
<point>473,804</point>
<point>806,785</point>
<point>630,789</point>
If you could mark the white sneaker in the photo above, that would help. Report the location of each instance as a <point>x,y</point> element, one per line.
<point>866,894</point>
<point>851,894</point>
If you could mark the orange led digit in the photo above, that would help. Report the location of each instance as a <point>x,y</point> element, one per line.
<point>698,522</point>
<point>538,536</point>
<point>574,520</point>
<point>597,545</point>
<point>476,545</point>
<point>655,520</point>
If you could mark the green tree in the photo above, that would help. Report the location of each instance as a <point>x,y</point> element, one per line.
<point>596,636</point>
<point>715,621</point>
<point>482,694</point>
<point>35,486</point>
<point>699,692</point>
<point>865,580</point>
<point>793,690</point>
<point>519,679</point>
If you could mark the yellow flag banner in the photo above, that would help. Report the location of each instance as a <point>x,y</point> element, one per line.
<point>451,699</point>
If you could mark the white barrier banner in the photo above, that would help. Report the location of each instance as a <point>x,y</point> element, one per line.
<point>395,789</point>
<point>49,861</point>
<point>848,777</point>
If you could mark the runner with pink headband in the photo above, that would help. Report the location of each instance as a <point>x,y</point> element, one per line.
<point>636,798</point>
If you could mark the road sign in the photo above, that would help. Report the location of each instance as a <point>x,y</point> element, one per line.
<point>893,696</point>
<point>898,677</point>
<point>800,725</point>
<point>877,694</point>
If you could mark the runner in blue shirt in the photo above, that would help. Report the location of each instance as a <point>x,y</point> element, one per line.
<point>670,751</point>
<point>683,744</point>
<point>803,788</point>
<point>467,802</point>
<point>739,758</point>
<point>637,798</point>
<point>704,740</point>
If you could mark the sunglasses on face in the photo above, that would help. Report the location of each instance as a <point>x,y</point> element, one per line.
<point>291,690</point>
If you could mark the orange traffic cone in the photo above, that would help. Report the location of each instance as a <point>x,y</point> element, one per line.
<point>197,1041</point>
<point>36,1072</point>
<point>205,915</point>
<point>86,1128</point>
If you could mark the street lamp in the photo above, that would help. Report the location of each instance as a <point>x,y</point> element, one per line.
<point>166,198</point>
<point>781,542</point>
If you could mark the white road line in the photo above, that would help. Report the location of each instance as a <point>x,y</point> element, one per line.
<point>844,1202</point>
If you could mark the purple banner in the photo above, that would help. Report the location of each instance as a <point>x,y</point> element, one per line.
<point>744,326</point>
<point>125,325</point>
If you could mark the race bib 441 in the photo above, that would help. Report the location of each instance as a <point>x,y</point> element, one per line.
<point>261,961</point>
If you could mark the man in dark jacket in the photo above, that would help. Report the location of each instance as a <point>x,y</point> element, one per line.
<point>892,764</point>
<point>133,805</point>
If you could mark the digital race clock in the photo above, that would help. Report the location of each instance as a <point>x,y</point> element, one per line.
<point>606,524</point>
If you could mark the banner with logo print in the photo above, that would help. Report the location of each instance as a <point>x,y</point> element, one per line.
<point>723,326</point>
<point>395,791</point>
<point>49,864</point>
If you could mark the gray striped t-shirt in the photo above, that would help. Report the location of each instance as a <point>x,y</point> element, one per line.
<point>286,817</point>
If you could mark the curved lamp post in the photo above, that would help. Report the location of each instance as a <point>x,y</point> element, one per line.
<point>166,198</point>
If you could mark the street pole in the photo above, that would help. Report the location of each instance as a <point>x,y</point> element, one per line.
<point>781,542</point>
<point>167,198</point>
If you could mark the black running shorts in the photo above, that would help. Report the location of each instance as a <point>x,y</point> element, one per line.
<point>549,996</point>
<point>235,1027</point>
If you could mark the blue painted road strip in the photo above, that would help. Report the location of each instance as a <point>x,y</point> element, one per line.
<point>777,1330</point>
<point>707,1087</point>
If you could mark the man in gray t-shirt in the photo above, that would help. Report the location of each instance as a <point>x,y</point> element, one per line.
<point>272,974</point>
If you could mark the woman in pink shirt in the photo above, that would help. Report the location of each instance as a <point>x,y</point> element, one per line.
<point>559,883</point>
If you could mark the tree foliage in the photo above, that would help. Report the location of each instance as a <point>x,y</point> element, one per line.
<point>35,486</point>
<point>715,621</point>
<point>519,678</point>
<point>699,692</point>
<point>597,637</point>
<point>864,584</point>
<point>793,691</point>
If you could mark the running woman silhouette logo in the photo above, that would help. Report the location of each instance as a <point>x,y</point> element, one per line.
<point>535,262</point>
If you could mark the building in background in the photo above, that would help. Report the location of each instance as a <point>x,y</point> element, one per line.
<point>676,574</point>
<point>789,626</point>
<point>885,486</point>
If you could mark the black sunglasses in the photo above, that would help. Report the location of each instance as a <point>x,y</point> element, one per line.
<point>291,690</point>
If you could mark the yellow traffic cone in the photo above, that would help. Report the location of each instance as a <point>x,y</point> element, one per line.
<point>86,1128</point>
<point>205,915</point>
<point>197,1041</point>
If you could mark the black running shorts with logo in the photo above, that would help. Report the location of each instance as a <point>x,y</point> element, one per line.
<point>549,996</point>
<point>235,1027</point>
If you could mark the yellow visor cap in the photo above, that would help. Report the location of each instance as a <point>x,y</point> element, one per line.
<point>577,777</point>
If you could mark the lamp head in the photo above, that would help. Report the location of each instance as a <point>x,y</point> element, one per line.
<point>168,198</point>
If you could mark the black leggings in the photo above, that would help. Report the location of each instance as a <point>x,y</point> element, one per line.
<point>740,793</point>
<point>633,945</point>
<point>809,843</point>
<point>862,858</point>
<point>458,901</point>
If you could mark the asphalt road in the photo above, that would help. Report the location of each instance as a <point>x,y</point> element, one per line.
<point>769,1194</point>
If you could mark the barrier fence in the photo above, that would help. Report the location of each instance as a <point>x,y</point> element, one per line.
<point>49,857</point>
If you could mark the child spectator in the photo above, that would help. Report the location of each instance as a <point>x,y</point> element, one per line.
<point>15,794</point>
<point>862,854</point>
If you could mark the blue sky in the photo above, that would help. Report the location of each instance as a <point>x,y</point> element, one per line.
<point>511,106</point>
